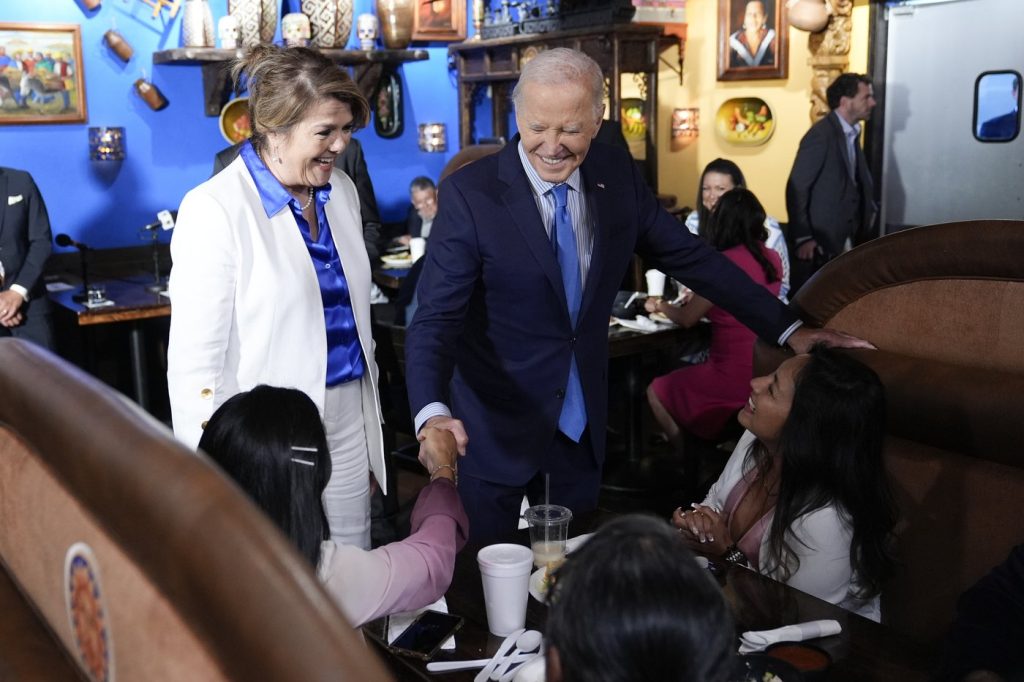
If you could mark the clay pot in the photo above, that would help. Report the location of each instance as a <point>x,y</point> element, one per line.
<point>150,94</point>
<point>116,42</point>
<point>396,19</point>
<point>808,15</point>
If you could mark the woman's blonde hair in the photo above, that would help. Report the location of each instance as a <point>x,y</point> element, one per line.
<point>283,83</point>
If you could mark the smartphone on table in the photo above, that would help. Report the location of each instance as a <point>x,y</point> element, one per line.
<point>426,634</point>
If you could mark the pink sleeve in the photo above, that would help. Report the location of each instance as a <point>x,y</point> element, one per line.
<point>405,575</point>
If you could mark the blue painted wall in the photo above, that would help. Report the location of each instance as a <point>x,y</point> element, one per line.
<point>105,204</point>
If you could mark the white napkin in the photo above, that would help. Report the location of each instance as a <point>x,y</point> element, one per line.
<point>757,640</point>
<point>398,622</point>
<point>98,304</point>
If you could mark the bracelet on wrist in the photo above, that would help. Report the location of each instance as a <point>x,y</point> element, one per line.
<point>437,469</point>
<point>734,555</point>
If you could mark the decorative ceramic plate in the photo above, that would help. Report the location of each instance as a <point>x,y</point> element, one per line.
<point>745,121</point>
<point>235,124</point>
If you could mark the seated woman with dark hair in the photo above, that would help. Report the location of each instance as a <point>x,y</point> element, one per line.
<point>719,177</point>
<point>805,498</point>
<point>632,605</point>
<point>272,443</point>
<point>701,399</point>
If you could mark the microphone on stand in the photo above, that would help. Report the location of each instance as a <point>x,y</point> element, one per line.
<point>64,240</point>
<point>164,220</point>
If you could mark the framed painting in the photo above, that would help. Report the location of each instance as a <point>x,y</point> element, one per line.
<point>753,38</point>
<point>440,20</point>
<point>41,77</point>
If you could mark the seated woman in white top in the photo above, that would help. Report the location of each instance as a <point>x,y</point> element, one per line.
<point>272,443</point>
<point>720,176</point>
<point>804,498</point>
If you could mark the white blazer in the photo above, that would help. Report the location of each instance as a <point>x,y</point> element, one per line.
<point>246,304</point>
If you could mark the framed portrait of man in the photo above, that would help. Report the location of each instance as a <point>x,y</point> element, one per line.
<point>440,20</point>
<point>752,40</point>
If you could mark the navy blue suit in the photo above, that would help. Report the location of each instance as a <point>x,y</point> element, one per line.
<point>24,247</point>
<point>492,336</point>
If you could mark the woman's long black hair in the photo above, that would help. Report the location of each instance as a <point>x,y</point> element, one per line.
<point>272,443</point>
<point>738,218</point>
<point>831,454</point>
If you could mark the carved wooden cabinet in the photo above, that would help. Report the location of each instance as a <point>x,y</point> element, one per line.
<point>490,68</point>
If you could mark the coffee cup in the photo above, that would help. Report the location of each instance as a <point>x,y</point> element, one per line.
<point>655,282</point>
<point>417,247</point>
<point>549,528</point>
<point>505,571</point>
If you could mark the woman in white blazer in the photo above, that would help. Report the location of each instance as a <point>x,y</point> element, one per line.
<point>804,498</point>
<point>270,280</point>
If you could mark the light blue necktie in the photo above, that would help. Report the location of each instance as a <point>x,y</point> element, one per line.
<point>573,418</point>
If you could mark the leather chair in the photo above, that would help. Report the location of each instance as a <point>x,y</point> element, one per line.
<point>123,554</point>
<point>945,306</point>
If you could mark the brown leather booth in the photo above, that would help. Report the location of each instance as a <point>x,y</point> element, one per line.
<point>945,306</point>
<point>124,555</point>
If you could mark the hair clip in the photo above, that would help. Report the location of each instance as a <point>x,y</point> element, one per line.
<point>299,460</point>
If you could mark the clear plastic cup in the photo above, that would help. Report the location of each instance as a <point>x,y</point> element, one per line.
<point>549,528</point>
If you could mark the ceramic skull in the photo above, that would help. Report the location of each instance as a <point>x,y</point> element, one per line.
<point>295,29</point>
<point>367,28</point>
<point>228,31</point>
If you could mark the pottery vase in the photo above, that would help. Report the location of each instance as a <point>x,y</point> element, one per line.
<point>330,20</point>
<point>248,14</point>
<point>119,45</point>
<point>268,20</point>
<point>197,24</point>
<point>808,15</point>
<point>396,18</point>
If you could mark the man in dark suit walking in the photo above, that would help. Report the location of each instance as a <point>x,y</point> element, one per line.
<point>352,163</point>
<point>829,196</point>
<point>24,247</point>
<point>509,346</point>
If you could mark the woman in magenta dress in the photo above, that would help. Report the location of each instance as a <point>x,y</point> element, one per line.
<point>701,399</point>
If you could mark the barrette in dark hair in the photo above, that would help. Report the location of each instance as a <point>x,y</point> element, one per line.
<point>299,460</point>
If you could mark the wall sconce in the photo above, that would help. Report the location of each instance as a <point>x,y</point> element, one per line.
<point>433,137</point>
<point>106,144</point>
<point>685,127</point>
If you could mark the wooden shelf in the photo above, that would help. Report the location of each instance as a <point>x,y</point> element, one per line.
<point>493,65</point>
<point>367,67</point>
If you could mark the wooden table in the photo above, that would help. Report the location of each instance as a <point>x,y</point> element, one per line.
<point>133,302</point>
<point>865,650</point>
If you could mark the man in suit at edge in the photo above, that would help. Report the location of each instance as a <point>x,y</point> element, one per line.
<point>24,247</point>
<point>829,196</point>
<point>352,163</point>
<point>509,346</point>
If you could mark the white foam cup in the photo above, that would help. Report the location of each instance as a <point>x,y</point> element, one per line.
<point>417,247</point>
<point>505,570</point>
<point>655,282</point>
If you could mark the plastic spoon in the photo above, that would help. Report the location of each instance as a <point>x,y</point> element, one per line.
<point>502,650</point>
<point>511,674</point>
<point>450,666</point>
<point>526,642</point>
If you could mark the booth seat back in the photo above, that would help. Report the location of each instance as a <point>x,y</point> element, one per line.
<point>950,292</point>
<point>945,306</point>
<point>142,560</point>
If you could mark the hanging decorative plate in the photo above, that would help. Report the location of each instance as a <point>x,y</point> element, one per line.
<point>745,121</point>
<point>87,613</point>
<point>235,124</point>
